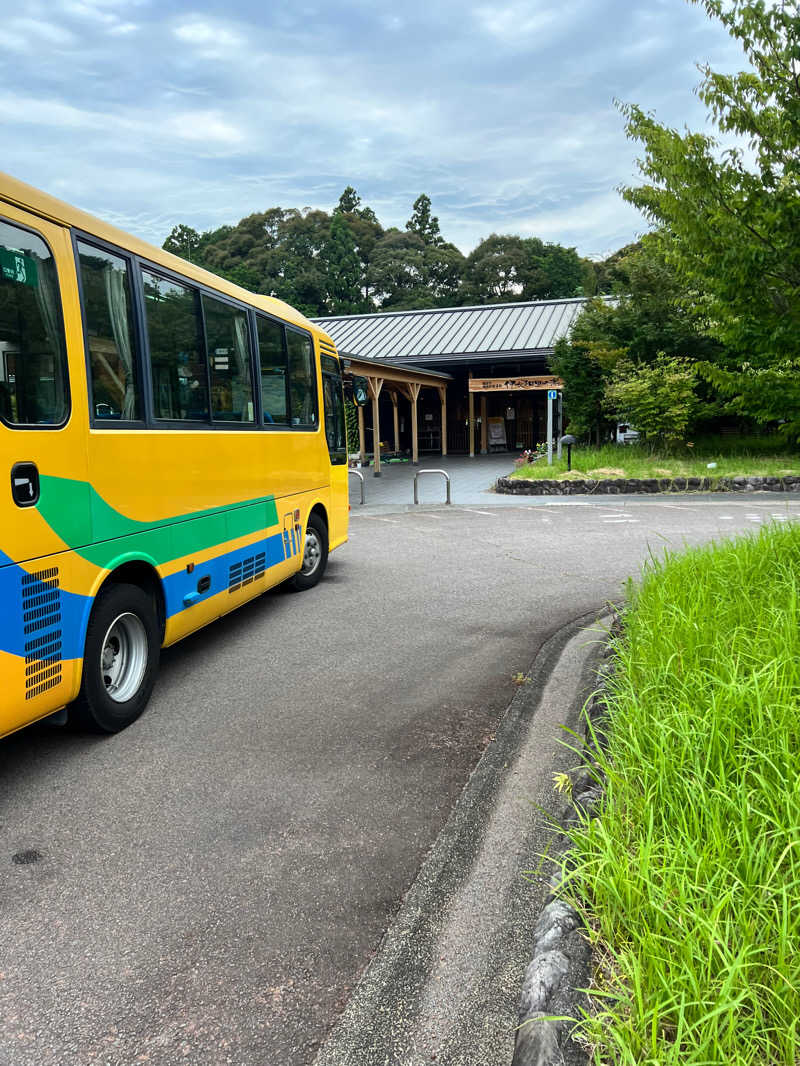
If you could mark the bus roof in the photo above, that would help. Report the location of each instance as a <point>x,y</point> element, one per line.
<point>41,203</point>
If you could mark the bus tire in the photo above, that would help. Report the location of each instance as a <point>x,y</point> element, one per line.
<point>315,555</point>
<point>120,660</point>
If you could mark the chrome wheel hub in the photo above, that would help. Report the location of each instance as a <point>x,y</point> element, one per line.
<point>312,552</point>
<point>123,658</point>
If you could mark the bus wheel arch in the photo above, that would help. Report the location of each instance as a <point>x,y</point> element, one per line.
<point>315,550</point>
<point>144,574</point>
<point>122,649</point>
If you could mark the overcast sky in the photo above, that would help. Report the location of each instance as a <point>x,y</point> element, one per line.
<point>153,112</point>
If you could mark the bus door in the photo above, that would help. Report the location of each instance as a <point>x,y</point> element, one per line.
<point>43,490</point>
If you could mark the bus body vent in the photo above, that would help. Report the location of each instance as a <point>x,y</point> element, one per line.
<point>246,571</point>
<point>41,614</point>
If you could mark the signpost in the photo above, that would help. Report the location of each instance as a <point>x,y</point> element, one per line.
<point>552,394</point>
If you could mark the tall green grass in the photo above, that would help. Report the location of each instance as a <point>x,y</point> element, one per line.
<point>690,876</point>
<point>735,457</point>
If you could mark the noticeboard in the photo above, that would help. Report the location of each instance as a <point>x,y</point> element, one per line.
<point>528,384</point>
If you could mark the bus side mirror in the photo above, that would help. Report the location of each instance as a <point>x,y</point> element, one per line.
<point>360,392</point>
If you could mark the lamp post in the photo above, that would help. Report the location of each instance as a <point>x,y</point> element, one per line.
<point>569,440</point>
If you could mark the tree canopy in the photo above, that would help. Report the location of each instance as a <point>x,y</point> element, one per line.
<point>346,262</point>
<point>728,214</point>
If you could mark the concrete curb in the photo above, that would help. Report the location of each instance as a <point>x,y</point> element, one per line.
<point>553,993</point>
<point>443,984</point>
<point>644,486</point>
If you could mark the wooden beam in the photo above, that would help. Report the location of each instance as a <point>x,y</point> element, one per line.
<point>396,421</point>
<point>375,385</point>
<point>362,447</point>
<point>471,421</point>
<point>366,368</point>
<point>412,389</point>
<point>484,426</point>
<point>443,398</point>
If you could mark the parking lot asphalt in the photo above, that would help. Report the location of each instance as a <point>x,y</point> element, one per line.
<point>212,882</point>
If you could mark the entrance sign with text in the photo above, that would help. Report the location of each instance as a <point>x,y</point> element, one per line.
<point>545,382</point>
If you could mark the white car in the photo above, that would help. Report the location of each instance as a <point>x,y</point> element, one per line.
<point>626,435</point>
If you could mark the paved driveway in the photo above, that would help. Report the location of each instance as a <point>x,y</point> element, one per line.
<point>471,481</point>
<point>212,881</point>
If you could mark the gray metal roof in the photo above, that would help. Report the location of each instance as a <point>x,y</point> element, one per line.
<point>453,333</point>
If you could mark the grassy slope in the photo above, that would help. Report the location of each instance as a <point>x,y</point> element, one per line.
<point>765,457</point>
<point>692,874</point>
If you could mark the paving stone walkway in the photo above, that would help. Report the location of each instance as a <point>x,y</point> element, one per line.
<point>471,481</point>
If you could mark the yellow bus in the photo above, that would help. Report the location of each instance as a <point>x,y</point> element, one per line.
<point>173,445</point>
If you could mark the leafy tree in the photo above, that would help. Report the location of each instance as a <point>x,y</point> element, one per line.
<point>349,202</point>
<point>366,231</point>
<point>343,289</point>
<point>423,223</point>
<point>496,270</point>
<point>399,271</point>
<point>649,313</point>
<point>647,317</point>
<point>658,399</point>
<point>610,274</point>
<point>443,271</point>
<point>183,241</point>
<point>730,219</point>
<point>557,273</point>
<point>584,368</point>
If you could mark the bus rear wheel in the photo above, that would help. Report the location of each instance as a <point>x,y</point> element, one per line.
<point>120,660</point>
<point>315,555</point>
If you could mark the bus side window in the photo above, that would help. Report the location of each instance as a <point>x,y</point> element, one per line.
<point>177,350</point>
<point>302,379</point>
<point>228,340</point>
<point>108,316</point>
<point>272,360</point>
<point>34,387</point>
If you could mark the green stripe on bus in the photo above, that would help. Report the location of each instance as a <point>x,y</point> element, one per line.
<point>85,522</point>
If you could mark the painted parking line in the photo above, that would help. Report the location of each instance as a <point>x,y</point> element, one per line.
<point>489,514</point>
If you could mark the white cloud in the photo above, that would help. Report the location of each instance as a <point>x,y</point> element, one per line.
<point>202,127</point>
<point>501,111</point>
<point>210,39</point>
<point>523,23</point>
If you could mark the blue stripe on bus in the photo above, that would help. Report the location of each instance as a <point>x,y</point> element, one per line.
<point>71,618</point>
<point>74,609</point>
<point>177,586</point>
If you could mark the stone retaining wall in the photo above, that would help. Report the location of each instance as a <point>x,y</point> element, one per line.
<point>617,486</point>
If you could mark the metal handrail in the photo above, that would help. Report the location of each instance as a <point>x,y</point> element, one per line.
<point>360,476</point>
<point>444,474</point>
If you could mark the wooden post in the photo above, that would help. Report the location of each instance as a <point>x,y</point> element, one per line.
<point>443,397</point>
<point>375,386</point>
<point>484,426</point>
<point>362,447</point>
<point>471,422</point>
<point>413,392</point>
<point>396,421</point>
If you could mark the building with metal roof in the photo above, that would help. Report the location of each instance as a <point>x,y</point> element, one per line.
<point>457,335</point>
<point>497,354</point>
